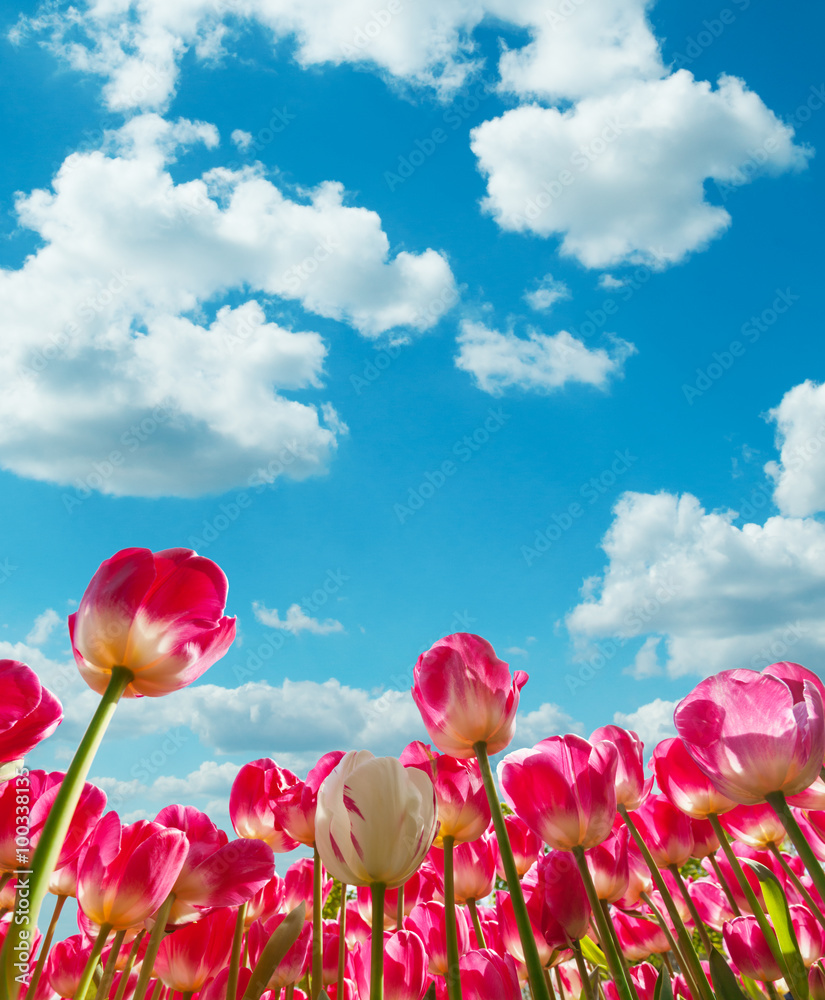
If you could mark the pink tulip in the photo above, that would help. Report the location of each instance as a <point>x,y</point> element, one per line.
<point>644,978</point>
<point>631,787</point>
<point>752,735</point>
<point>608,866</point>
<point>330,937</point>
<point>125,873</point>
<point>486,975</point>
<point>816,982</point>
<point>639,937</point>
<point>192,955</point>
<point>63,881</point>
<point>683,783</point>
<point>428,922</point>
<point>66,963</point>
<point>267,901</point>
<point>639,878</point>
<point>666,831</point>
<point>28,711</point>
<point>359,927</point>
<point>466,695</point>
<point>562,898</point>
<point>564,789</point>
<point>405,967</point>
<point>749,950</point>
<point>294,809</point>
<point>256,788</point>
<point>757,826</point>
<point>812,797</point>
<point>216,989</point>
<point>40,789</point>
<point>463,809</point>
<point>809,934</point>
<point>526,846</point>
<point>215,872</point>
<point>294,964</point>
<point>421,887</point>
<point>474,868</point>
<point>705,841</point>
<point>711,903</point>
<point>159,615</point>
<point>298,886</point>
<point>795,675</point>
<point>742,851</point>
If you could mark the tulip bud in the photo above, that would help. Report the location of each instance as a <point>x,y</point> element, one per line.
<point>631,787</point>
<point>28,713</point>
<point>749,951</point>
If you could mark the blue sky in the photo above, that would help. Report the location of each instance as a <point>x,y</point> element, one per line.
<point>501,318</point>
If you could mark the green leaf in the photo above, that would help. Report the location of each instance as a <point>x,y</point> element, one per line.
<point>777,906</point>
<point>283,938</point>
<point>430,994</point>
<point>725,984</point>
<point>752,988</point>
<point>593,953</point>
<point>664,989</point>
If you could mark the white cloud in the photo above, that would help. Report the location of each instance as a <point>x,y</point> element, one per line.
<point>610,282</point>
<point>548,293</point>
<point>516,651</point>
<point>653,722</point>
<point>719,596</point>
<point>242,139</point>
<point>296,621</point>
<point>547,720</point>
<point>620,177</point>
<point>542,362</point>
<point>799,475</point>
<point>121,372</point>
<point>43,627</point>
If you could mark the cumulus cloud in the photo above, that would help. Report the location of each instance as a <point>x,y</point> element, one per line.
<point>124,373</point>
<point>547,720</point>
<point>43,627</point>
<point>547,294</point>
<point>653,722</point>
<point>541,362</point>
<point>296,621</point>
<point>621,177</point>
<point>799,475</point>
<point>718,596</point>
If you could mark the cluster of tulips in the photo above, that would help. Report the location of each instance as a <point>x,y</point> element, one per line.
<point>585,885</point>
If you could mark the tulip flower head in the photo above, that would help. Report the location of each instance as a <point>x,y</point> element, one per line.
<point>631,787</point>
<point>749,951</point>
<point>684,783</point>
<point>466,695</point>
<point>159,615</point>
<point>375,820</point>
<point>28,711</point>
<point>256,788</point>
<point>753,734</point>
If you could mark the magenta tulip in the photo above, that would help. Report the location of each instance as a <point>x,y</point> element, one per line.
<point>66,963</point>
<point>644,978</point>
<point>684,784</point>
<point>192,955</point>
<point>666,831</point>
<point>526,846</point>
<point>609,867</point>
<point>294,964</point>
<point>711,903</point>
<point>28,711</point>
<point>463,809</point>
<point>294,809</point>
<point>256,788</point>
<point>405,967</point>
<point>466,695</point>
<point>749,951</point>
<point>486,975</point>
<point>565,910</point>
<point>757,826</point>
<point>631,787</point>
<point>563,789</point>
<point>752,735</point>
<point>809,934</point>
<point>125,873</point>
<point>639,937</point>
<point>159,615</point>
<point>427,920</point>
<point>509,930</point>
<point>474,868</point>
<point>705,841</point>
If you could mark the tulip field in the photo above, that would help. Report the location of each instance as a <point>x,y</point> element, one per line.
<point>576,873</point>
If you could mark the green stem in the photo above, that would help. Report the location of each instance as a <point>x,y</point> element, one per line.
<point>750,895</point>
<point>725,887</point>
<point>694,913</point>
<point>581,965</point>
<point>399,909</point>
<point>606,910</point>
<point>54,832</point>
<point>800,888</point>
<point>45,946</point>
<point>130,964</point>
<point>674,947</point>
<point>342,941</point>
<point>377,892</point>
<point>451,929</point>
<point>235,958</point>
<point>156,992</point>
<point>155,938</point>
<point>91,963</point>
<point>549,983</point>
<point>777,802</point>
<point>481,941</point>
<point>623,987</point>
<point>525,929</point>
<point>687,950</point>
<point>317,926</point>
<point>105,983</point>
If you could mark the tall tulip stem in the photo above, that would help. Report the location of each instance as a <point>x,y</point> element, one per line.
<point>623,985</point>
<point>91,963</point>
<point>105,983</point>
<point>453,973</point>
<point>45,945</point>
<point>777,801</point>
<point>581,965</point>
<point>800,888</point>
<point>528,941</point>
<point>377,892</point>
<point>54,832</point>
<point>235,958</point>
<point>479,930</point>
<point>317,925</point>
<point>342,941</point>
<point>694,913</point>
<point>155,938</point>
<point>685,943</point>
